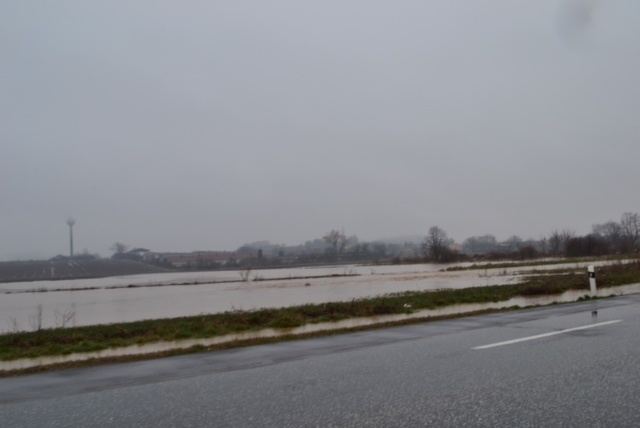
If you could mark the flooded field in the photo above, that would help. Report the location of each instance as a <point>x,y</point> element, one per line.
<point>24,306</point>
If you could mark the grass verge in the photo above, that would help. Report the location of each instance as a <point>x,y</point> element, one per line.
<point>534,263</point>
<point>236,344</point>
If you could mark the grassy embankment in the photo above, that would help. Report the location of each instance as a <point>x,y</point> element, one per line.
<point>534,263</point>
<point>63,341</point>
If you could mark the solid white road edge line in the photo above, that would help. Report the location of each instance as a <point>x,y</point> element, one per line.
<point>539,336</point>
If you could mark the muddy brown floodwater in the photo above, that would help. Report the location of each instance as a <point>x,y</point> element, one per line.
<point>109,300</point>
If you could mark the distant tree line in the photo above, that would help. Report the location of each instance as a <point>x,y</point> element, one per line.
<point>611,237</point>
<point>335,246</point>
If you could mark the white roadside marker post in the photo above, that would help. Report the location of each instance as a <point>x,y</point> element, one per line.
<point>592,280</point>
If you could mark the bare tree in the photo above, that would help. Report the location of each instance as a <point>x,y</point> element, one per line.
<point>514,243</point>
<point>630,225</point>
<point>63,319</point>
<point>480,244</point>
<point>435,243</point>
<point>611,231</point>
<point>558,241</point>
<point>567,234</point>
<point>244,274</point>
<point>555,243</point>
<point>119,248</point>
<point>379,249</point>
<point>337,241</point>
<point>543,245</point>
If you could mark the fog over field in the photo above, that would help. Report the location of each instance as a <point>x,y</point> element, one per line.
<point>180,126</point>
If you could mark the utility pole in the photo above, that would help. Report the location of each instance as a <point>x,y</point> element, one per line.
<point>70,223</point>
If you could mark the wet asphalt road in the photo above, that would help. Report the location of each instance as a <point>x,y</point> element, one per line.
<point>420,375</point>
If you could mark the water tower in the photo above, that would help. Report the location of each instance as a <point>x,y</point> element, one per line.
<point>70,223</point>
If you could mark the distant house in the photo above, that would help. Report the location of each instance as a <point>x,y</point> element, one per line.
<point>138,252</point>
<point>200,258</point>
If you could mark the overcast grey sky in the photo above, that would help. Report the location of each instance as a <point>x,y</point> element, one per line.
<point>194,125</point>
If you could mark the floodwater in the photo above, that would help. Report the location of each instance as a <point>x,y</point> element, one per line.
<point>185,278</point>
<point>24,306</point>
<point>569,296</point>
